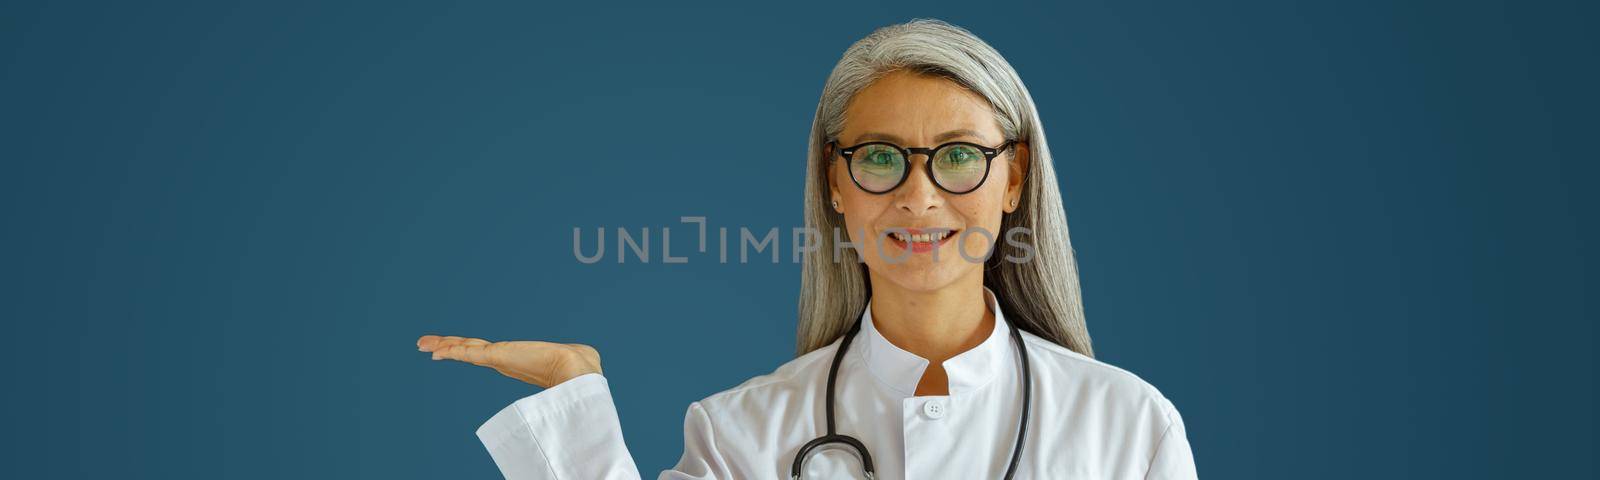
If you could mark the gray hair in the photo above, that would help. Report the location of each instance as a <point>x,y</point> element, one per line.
<point>1040,296</point>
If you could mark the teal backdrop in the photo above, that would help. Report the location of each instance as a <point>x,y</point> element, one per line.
<point>1349,239</point>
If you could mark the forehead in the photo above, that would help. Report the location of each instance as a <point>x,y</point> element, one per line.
<point>917,108</point>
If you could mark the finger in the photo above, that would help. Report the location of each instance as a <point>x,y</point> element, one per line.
<point>476,354</point>
<point>446,342</point>
<point>431,343</point>
<point>473,354</point>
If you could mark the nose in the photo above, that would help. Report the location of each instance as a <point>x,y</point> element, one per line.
<point>918,196</point>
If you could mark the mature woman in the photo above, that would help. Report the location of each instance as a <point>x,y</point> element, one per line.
<point>920,357</point>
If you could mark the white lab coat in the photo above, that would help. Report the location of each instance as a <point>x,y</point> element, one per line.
<point>1089,420</point>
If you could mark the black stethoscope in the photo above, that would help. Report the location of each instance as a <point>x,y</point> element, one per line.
<point>832,437</point>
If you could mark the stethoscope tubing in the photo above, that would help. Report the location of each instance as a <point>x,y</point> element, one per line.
<point>833,436</point>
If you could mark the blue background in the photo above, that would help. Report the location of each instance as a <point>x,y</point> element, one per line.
<point>1348,239</point>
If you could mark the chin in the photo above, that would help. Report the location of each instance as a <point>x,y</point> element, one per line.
<point>918,277</point>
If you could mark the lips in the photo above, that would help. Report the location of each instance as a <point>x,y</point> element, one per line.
<point>920,240</point>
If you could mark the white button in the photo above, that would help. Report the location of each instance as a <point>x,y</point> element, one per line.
<point>934,409</point>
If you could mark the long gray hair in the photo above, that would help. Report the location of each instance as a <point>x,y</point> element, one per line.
<point>1041,295</point>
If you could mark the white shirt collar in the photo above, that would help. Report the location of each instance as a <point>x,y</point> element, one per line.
<point>901,370</point>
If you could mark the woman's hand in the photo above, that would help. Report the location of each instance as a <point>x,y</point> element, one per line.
<point>540,363</point>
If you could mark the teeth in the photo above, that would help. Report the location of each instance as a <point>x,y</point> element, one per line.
<point>921,237</point>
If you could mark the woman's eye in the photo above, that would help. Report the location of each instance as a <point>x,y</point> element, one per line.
<point>880,158</point>
<point>960,156</point>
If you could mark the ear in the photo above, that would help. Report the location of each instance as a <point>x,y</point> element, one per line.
<point>828,156</point>
<point>1018,173</point>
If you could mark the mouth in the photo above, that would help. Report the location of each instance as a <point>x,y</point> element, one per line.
<point>921,240</point>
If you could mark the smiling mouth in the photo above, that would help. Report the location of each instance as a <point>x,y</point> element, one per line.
<point>919,241</point>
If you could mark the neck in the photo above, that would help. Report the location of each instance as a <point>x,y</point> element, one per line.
<point>935,325</point>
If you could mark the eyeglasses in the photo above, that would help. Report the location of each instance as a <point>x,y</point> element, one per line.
<point>956,167</point>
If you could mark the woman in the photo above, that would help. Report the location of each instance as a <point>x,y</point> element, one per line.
<point>927,153</point>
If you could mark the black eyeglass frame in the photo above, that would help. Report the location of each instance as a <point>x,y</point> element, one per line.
<point>989,155</point>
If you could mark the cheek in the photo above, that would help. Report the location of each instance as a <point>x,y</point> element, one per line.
<point>860,208</point>
<point>981,214</point>
<point>983,208</point>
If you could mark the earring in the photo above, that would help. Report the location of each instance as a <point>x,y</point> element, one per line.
<point>1013,202</point>
<point>835,204</point>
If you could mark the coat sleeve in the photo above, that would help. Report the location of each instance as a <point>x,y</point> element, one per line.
<point>701,459</point>
<point>1172,460</point>
<point>571,432</point>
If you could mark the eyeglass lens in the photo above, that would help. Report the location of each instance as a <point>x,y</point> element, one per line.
<point>878,168</point>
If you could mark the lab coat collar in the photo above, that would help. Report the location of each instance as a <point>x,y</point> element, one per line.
<point>900,370</point>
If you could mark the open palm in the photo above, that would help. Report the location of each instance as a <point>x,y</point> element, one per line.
<point>545,364</point>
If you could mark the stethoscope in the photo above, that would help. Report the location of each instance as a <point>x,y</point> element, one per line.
<point>833,437</point>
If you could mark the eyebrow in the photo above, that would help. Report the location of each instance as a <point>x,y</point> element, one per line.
<point>941,138</point>
<point>954,134</point>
